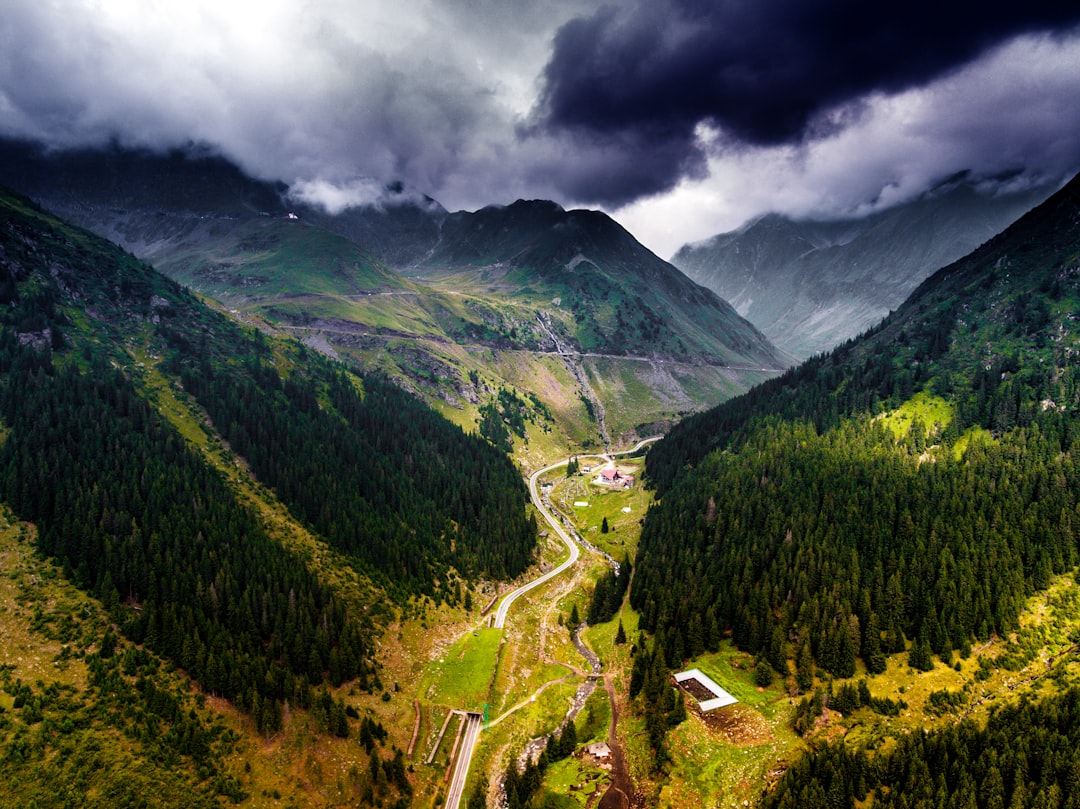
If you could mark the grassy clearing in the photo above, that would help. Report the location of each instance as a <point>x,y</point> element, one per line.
<point>933,412</point>
<point>622,508</point>
<point>462,677</point>
<point>971,436</point>
<point>32,592</point>
<point>573,782</point>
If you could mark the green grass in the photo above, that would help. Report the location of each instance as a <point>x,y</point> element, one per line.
<point>462,675</point>
<point>624,527</point>
<point>572,783</point>
<point>973,435</point>
<point>592,723</point>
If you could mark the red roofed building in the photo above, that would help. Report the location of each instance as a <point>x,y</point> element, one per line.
<point>612,477</point>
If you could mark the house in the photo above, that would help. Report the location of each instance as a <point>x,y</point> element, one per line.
<point>610,476</point>
<point>598,750</point>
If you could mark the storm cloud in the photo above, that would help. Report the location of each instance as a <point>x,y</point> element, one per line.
<point>651,73</point>
<point>680,118</point>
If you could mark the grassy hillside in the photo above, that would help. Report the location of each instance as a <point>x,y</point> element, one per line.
<point>608,293</point>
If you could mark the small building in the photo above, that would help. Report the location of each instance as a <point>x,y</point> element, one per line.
<point>720,697</point>
<point>610,476</point>
<point>599,750</point>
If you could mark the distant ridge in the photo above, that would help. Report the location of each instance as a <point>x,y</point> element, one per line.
<point>811,284</point>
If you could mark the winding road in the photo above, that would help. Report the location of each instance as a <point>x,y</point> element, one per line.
<point>575,551</point>
<point>472,729</point>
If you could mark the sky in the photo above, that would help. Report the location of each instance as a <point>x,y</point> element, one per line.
<point>680,118</point>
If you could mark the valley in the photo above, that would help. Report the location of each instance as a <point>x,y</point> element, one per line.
<point>241,571</point>
<point>539,405</point>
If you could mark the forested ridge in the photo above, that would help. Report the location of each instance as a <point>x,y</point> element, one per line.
<point>384,478</point>
<point>1027,756</point>
<point>136,516</point>
<point>908,491</point>
<point>1006,305</point>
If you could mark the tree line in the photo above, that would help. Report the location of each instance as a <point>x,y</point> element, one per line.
<point>137,517</point>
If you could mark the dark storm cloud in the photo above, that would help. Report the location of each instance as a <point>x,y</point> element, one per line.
<point>764,72</point>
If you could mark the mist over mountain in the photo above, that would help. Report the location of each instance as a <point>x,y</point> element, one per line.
<point>809,285</point>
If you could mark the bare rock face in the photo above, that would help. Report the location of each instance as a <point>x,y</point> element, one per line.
<point>37,340</point>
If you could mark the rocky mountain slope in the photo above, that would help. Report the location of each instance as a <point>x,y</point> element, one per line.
<point>809,285</point>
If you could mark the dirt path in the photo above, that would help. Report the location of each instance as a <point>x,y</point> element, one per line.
<point>621,793</point>
<point>416,728</point>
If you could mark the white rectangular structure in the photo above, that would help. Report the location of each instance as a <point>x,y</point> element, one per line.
<point>722,697</point>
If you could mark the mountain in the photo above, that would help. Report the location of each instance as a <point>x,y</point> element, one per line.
<point>236,505</point>
<point>811,284</point>
<point>608,292</point>
<point>542,326</point>
<point>903,494</point>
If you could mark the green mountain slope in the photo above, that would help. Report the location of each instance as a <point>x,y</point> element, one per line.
<point>602,287</point>
<point>887,512</point>
<point>906,492</point>
<point>605,350</point>
<point>97,353</point>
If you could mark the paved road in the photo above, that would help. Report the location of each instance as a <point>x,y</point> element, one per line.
<point>461,769</point>
<point>472,729</point>
<point>575,552</point>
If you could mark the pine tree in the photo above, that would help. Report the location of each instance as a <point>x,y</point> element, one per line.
<point>763,673</point>
<point>620,634</point>
<point>921,657</point>
<point>804,668</point>
<point>478,797</point>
